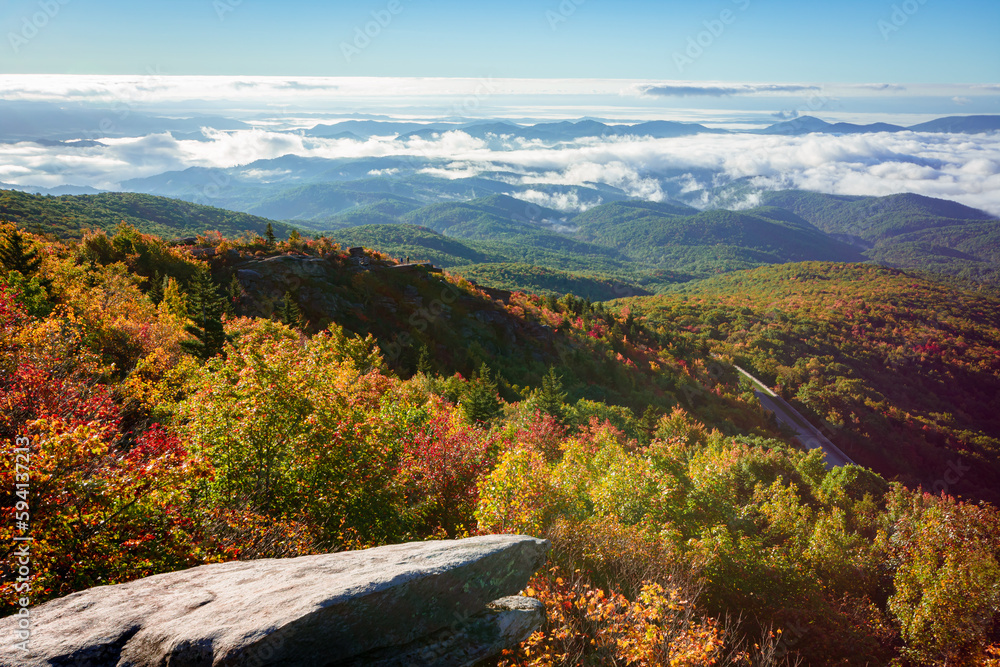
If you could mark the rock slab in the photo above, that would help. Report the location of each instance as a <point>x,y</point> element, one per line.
<point>364,607</point>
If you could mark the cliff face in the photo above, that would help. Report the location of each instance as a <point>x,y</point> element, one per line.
<point>422,603</point>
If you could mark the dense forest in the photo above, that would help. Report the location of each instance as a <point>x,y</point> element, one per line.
<point>272,395</point>
<point>902,372</point>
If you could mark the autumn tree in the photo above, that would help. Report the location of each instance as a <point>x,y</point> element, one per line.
<point>310,429</point>
<point>946,555</point>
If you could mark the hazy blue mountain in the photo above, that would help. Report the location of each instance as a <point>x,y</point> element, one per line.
<point>960,124</point>
<point>810,124</point>
<point>662,129</point>
<point>955,124</point>
<point>59,190</point>
<point>480,129</point>
<point>851,128</point>
<point>797,126</point>
<point>372,128</point>
<point>571,130</point>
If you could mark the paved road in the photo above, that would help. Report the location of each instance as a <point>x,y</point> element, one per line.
<point>807,434</point>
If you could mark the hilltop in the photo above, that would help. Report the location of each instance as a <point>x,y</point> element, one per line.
<point>68,216</point>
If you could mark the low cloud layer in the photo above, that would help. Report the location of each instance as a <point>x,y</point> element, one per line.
<point>964,168</point>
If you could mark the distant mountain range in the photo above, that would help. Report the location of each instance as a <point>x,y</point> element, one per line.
<point>47,123</point>
<point>319,190</point>
<point>951,124</point>
<point>571,130</point>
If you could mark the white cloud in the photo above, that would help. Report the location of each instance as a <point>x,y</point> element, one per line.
<point>458,92</point>
<point>568,201</point>
<point>265,175</point>
<point>964,168</point>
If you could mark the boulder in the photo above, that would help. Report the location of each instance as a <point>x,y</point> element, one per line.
<point>416,603</point>
<point>504,624</point>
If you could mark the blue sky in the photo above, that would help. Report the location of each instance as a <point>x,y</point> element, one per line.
<point>758,40</point>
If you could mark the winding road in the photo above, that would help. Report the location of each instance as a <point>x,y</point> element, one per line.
<point>807,434</point>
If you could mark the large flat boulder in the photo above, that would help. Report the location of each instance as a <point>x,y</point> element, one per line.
<point>316,610</point>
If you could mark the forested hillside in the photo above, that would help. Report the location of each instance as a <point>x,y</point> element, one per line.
<point>902,371</point>
<point>646,245</point>
<point>906,230</point>
<point>68,216</point>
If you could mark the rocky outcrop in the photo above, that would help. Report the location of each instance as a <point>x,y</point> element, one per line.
<point>423,603</point>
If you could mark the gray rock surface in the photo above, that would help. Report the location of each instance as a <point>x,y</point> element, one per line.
<point>504,624</point>
<point>330,609</point>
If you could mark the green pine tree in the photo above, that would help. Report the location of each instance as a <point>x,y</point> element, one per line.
<point>17,255</point>
<point>480,403</point>
<point>204,309</point>
<point>155,291</point>
<point>424,362</point>
<point>290,313</point>
<point>650,419</point>
<point>551,399</point>
<point>269,236</point>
